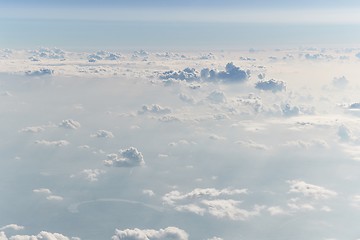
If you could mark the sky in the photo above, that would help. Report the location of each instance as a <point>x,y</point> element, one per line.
<point>177,24</point>
<point>182,120</point>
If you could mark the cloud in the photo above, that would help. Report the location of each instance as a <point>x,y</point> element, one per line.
<point>148,192</point>
<point>340,82</point>
<point>43,235</point>
<point>217,97</point>
<point>228,208</point>
<point>173,196</point>
<point>91,175</point>
<point>42,190</point>
<point>59,143</point>
<point>344,133</point>
<point>211,201</point>
<point>309,190</point>
<point>13,227</point>
<point>271,85</point>
<point>173,233</point>
<point>317,143</point>
<point>103,55</point>
<point>276,210</point>
<point>155,108</point>
<point>188,74</point>
<point>215,238</point>
<point>69,124</point>
<point>103,134</point>
<point>54,198</point>
<point>232,74</point>
<point>130,157</point>
<point>252,144</point>
<point>35,129</point>
<point>48,53</point>
<point>41,72</point>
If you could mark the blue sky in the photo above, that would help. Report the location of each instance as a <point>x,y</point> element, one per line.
<point>186,3</point>
<point>177,24</point>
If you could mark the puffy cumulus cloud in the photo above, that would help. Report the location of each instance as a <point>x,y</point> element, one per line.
<point>309,190</point>
<point>217,97</point>
<point>228,208</point>
<point>290,111</point>
<point>271,85</point>
<point>232,74</point>
<point>48,53</point>
<point>40,72</point>
<point>103,134</point>
<point>69,124</point>
<point>13,227</point>
<point>340,82</point>
<point>60,143</point>
<point>91,175</point>
<point>103,55</point>
<point>34,129</point>
<point>43,235</point>
<point>155,108</point>
<point>173,233</point>
<point>130,157</point>
<point>215,238</point>
<point>188,74</point>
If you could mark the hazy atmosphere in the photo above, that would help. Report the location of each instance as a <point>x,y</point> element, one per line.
<point>181,120</point>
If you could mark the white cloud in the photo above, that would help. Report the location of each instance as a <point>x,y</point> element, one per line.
<point>217,97</point>
<point>309,190</point>
<point>155,108</point>
<point>271,85</point>
<point>42,190</point>
<point>228,208</point>
<point>54,198</point>
<point>148,192</point>
<point>215,238</point>
<point>191,208</point>
<point>35,129</point>
<point>173,196</point>
<point>276,210</point>
<point>13,227</point>
<point>130,157</point>
<point>103,134</point>
<point>188,74</point>
<point>91,175</point>
<point>43,235</point>
<point>70,124</point>
<point>59,143</point>
<point>173,233</point>
<point>232,74</point>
